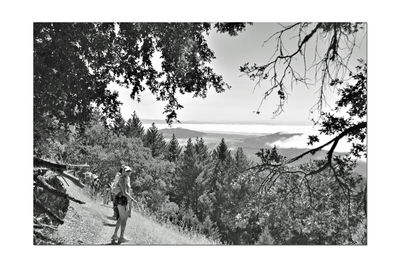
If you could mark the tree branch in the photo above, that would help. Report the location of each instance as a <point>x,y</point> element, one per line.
<point>348,131</point>
<point>330,66</point>
<point>42,183</point>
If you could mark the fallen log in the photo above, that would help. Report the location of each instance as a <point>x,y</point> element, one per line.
<point>38,162</point>
<point>58,168</point>
<point>72,178</point>
<point>42,183</point>
<point>77,165</point>
<point>41,226</point>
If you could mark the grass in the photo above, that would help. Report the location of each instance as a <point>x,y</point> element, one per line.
<point>90,224</point>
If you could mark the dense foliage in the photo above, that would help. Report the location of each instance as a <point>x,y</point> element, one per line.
<point>215,192</point>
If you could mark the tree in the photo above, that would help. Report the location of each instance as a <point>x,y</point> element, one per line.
<point>75,62</point>
<point>216,178</point>
<point>237,191</point>
<point>71,72</point>
<point>154,140</point>
<point>222,152</point>
<point>330,69</point>
<point>119,125</point>
<point>353,125</point>
<point>298,210</point>
<point>270,155</point>
<point>173,150</point>
<point>336,44</point>
<point>240,160</point>
<point>201,150</point>
<point>134,128</point>
<point>188,172</point>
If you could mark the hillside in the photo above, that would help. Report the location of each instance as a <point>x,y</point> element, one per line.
<point>181,133</point>
<point>91,224</point>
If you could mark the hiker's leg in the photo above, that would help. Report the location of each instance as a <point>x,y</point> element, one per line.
<point>117,225</point>
<point>119,221</point>
<point>115,207</point>
<point>130,208</point>
<point>124,217</point>
<point>116,212</point>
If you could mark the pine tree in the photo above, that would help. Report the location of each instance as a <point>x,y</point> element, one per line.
<point>155,141</point>
<point>189,171</point>
<point>119,125</point>
<point>189,154</point>
<point>220,174</point>
<point>222,152</point>
<point>173,150</point>
<point>269,155</point>
<point>134,127</point>
<point>274,156</point>
<point>201,150</point>
<point>240,159</point>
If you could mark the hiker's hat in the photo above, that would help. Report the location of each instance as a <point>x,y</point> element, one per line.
<point>127,169</point>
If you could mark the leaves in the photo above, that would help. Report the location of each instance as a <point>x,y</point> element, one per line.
<point>75,62</point>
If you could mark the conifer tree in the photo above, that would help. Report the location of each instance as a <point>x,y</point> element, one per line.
<point>270,155</point>
<point>219,180</point>
<point>201,150</point>
<point>189,154</point>
<point>222,152</point>
<point>134,127</point>
<point>173,150</point>
<point>240,159</point>
<point>274,155</point>
<point>155,141</point>
<point>119,125</point>
<point>189,171</point>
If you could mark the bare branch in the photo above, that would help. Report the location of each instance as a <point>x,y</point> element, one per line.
<point>348,131</point>
<point>282,31</point>
<point>331,65</point>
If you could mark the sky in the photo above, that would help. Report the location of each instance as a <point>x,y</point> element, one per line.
<point>240,102</point>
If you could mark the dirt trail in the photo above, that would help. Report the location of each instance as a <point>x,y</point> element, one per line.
<point>91,224</point>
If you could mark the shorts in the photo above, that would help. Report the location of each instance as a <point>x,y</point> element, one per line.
<point>121,200</point>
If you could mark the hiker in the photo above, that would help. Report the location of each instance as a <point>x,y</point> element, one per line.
<point>114,191</point>
<point>121,200</point>
<point>107,194</point>
<point>95,186</point>
<point>87,178</point>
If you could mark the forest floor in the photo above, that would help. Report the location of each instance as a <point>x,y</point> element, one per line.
<point>91,224</point>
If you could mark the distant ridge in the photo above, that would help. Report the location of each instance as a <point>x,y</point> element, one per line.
<point>157,121</point>
<point>181,133</point>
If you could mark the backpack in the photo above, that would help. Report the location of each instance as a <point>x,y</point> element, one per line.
<point>115,188</point>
